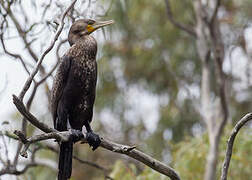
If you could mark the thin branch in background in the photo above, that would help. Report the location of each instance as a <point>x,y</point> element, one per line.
<point>47,6</point>
<point>105,171</point>
<point>55,65</point>
<point>32,119</point>
<point>29,80</point>
<point>183,27</point>
<point>3,161</point>
<point>218,3</point>
<point>16,56</point>
<point>6,150</point>
<point>219,53</point>
<point>14,171</point>
<point>24,121</point>
<point>19,29</point>
<point>89,163</point>
<point>58,48</point>
<point>5,84</point>
<point>105,14</point>
<point>230,143</point>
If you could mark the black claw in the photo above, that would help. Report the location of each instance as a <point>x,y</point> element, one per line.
<point>76,135</point>
<point>93,140</point>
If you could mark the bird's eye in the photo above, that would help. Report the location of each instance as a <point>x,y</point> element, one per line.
<point>76,31</point>
<point>90,22</point>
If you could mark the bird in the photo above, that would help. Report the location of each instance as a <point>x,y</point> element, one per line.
<point>74,89</point>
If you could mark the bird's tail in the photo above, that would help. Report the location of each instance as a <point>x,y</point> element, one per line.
<point>65,160</point>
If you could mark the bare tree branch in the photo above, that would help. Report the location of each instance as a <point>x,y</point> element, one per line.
<point>21,32</point>
<point>60,136</point>
<point>24,122</point>
<point>216,8</point>
<point>17,134</point>
<point>55,65</point>
<point>29,80</point>
<point>89,163</point>
<point>109,145</point>
<point>16,56</point>
<point>209,41</point>
<point>230,143</point>
<point>6,151</point>
<point>32,119</point>
<point>14,171</point>
<point>169,13</point>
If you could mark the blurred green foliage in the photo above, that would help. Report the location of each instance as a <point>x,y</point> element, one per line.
<point>190,156</point>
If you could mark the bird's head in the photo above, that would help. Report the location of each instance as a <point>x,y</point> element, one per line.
<point>83,27</point>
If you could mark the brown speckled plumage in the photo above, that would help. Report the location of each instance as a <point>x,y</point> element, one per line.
<point>73,92</point>
<point>74,84</point>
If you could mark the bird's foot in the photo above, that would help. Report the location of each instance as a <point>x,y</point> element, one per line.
<point>93,140</point>
<point>76,135</point>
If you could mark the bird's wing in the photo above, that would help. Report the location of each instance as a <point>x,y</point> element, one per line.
<point>59,84</point>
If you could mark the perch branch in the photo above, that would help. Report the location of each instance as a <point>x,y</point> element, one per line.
<point>109,145</point>
<point>106,144</point>
<point>34,72</point>
<point>60,136</point>
<point>16,136</point>
<point>230,143</point>
<point>14,171</point>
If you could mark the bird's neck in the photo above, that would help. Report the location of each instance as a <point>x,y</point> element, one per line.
<point>84,46</point>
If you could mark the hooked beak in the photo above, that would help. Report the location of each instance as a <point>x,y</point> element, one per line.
<point>98,24</point>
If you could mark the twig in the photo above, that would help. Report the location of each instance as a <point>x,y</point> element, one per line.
<point>109,145</point>
<point>218,2</point>
<point>12,54</point>
<point>49,73</point>
<point>32,119</point>
<point>24,122</point>
<point>53,149</point>
<point>230,143</point>
<point>169,13</point>
<point>34,72</point>
<point>14,171</point>
<point>60,136</point>
<point>6,150</point>
<point>21,32</point>
<point>105,171</point>
<point>89,163</point>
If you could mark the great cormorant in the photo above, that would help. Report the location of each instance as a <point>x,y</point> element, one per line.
<point>73,91</point>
